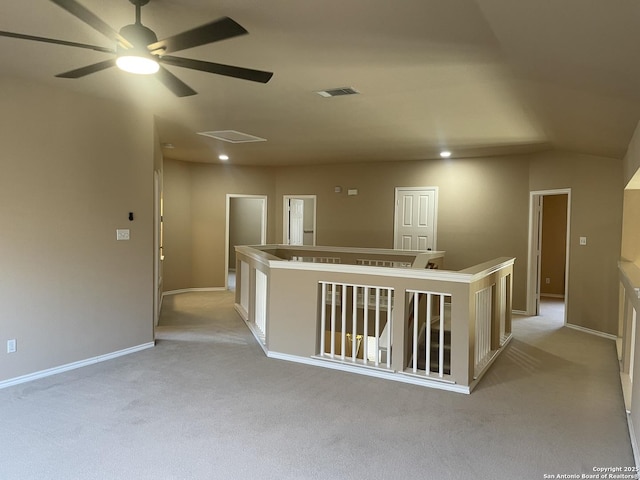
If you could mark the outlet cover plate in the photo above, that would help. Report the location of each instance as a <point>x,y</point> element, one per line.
<point>12,346</point>
<point>122,234</point>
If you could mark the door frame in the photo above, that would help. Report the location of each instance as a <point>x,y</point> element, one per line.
<point>435,214</point>
<point>158,256</point>
<point>535,247</point>
<point>285,216</point>
<point>263,231</point>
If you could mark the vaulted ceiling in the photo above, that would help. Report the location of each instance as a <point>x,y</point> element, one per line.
<point>477,77</point>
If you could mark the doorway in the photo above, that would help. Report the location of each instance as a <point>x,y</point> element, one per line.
<point>299,220</point>
<point>246,225</point>
<point>415,220</point>
<point>549,242</point>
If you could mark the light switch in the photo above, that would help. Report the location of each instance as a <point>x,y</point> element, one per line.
<point>122,234</point>
<point>352,191</point>
<point>583,240</point>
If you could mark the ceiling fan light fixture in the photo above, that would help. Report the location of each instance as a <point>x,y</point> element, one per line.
<point>137,64</point>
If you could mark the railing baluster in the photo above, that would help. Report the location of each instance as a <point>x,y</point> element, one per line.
<point>389,323</point>
<point>427,326</point>
<point>415,332</point>
<point>343,337</point>
<point>333,320</point>
<point>323,318</point>
<point>354,327</point>
<point>377,361</point>
<point>365,339</point>
<point>441,339</point>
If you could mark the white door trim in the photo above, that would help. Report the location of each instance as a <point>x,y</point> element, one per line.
<point>285,216</point>
<point>395,213</point>
<point>533,267</point>
<point>157,254</point>
<point>263,230</point>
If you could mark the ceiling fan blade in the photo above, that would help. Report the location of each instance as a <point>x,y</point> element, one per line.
<point>220,29</point>
<point>173,83</point>
<point>81,72</point>
<point>88,17</point>
<point>218,68</point>
<point>56,41</point>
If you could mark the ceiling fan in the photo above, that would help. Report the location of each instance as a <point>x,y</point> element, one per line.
<point>138,49</point>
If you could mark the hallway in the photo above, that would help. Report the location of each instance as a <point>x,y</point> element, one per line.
<point>206,403</point>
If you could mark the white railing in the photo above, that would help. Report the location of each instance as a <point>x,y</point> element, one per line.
<point>242,284</point>
<point>345,314</point>
<point>434,312</point>
<point>432,327</point>
<point>627,324</point>
<point>502,309</point>
<point>484,300</point>
<point>261,302</point>
<point>382,263</point>
<point>297,258</point>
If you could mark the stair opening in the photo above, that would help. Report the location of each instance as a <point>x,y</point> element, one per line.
<point>429,342</point>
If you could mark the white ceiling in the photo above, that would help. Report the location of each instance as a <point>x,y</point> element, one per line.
<point>479,77</point>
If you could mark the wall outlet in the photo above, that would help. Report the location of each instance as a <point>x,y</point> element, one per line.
<point>583,240</point>
<point>547,280</point>
<point>12,346</point>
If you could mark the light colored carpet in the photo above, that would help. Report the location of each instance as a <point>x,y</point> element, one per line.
<point>206,403</point>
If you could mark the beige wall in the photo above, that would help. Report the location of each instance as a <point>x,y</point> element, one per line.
<point>631,161</point>
<point>483,213</point>
<point>596,213</point>
<point>482,206</point>
<point>554,244</point>
<point>195,218</point>
<point>631,227</point>
<point>631,252</point>
<point>177,243</point>
<point>245,224</point>
<point>72,169</point>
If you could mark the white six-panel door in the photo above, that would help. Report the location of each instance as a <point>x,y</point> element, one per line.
<point>296,221</point>
<point>415,218</point>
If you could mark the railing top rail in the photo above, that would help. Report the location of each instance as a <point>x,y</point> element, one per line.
<point>257,253</point>
<point>630,276</point>
<point>363,250</point>
<point>468,275</point>
<point>487,268</point>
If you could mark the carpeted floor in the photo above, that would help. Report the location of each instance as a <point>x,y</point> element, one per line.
<point>206,403</point>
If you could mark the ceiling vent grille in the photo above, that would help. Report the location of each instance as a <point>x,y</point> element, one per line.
<point>338,92</point>
<point>232,136</point>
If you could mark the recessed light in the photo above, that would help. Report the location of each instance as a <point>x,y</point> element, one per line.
<point>223,157</point>
<point>445,154</point>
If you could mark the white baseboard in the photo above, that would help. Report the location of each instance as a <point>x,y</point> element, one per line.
<point>634,442</point>
<point>72,366</point>
<point>187,290</point>
<point>518,312</point>
<point>590,331</point>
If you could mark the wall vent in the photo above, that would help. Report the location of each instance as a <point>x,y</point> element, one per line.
<point>232,136</point>
<point>338,92</point>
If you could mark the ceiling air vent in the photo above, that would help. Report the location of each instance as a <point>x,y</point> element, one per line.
<point>232,136</point>
<point>338,92</point>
